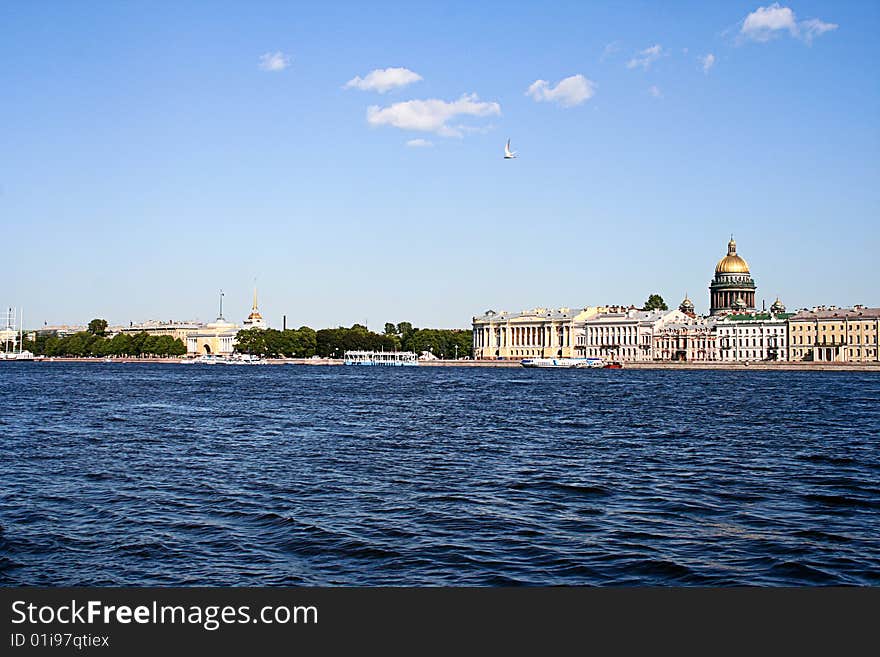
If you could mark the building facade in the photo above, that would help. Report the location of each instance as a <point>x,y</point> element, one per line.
<point>752,336</point>
<point>835,334</point>
<point>216,338</point>
<point>177,330</point>
<point>627,335</point>
<point>732,289</point>
<point>693,340</point>
<point>540,332</point>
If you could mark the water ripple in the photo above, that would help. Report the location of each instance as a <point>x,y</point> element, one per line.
<point>168,475</point>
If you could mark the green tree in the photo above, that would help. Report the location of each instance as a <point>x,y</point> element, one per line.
<point>251,341</point>
<point>98,327</point>
<point>308,342</point>
<point>655,302</point>
<point>119,345</point>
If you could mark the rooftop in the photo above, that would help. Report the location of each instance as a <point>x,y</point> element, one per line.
<point>858,312</point>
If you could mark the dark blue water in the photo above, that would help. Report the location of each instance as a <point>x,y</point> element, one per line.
<point>135,474</point>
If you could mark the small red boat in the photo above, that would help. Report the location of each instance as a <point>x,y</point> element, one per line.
<point>613,365</point>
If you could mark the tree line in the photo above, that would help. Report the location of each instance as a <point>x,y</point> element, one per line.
<point>84,344</point>
<point>303,342</point>
<point>334,342</point>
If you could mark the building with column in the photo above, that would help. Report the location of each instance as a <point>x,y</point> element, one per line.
<point>753,336</point>
<point>835,334</point>
<point>540,332</point>
<point>625,335</point>
<point>216,338</point>
<point>693,340</point>
<point>732,289</point>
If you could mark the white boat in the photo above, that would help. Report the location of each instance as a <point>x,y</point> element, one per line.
<point>13,347</point>
<point>17,355</point>
<point>392,358</point>
<point>562,362</point>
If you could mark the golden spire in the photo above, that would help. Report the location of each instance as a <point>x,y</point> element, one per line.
<point>255,314</point>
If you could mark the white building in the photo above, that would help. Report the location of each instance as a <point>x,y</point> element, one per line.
<point>624,336</point>
<point>754,336</point>
<point>693,340</point>
<point>539,332</point>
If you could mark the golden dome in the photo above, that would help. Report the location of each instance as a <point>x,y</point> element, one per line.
<point>732,263</point>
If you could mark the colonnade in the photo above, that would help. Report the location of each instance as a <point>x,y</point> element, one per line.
<point>522,336</point>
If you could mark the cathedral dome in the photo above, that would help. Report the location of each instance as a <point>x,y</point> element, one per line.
<point>732,263</point>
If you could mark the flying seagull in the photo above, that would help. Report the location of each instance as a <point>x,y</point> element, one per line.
<point>508,154</point>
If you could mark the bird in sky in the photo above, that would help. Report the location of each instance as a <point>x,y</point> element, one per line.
<point>508,154</point>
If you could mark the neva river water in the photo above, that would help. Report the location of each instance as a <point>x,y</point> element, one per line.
<point>129,474</point>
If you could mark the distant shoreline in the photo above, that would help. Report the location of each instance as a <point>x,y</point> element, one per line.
<point>780,366</point>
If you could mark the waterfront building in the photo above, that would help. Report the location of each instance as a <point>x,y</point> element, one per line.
<point>255,319</point>
<point>732,289</point>
<point>216,338</point>
<point>539,332</point>
<point>177,330</point>
<point>61,331</point>
<point>692,340</point>
<point>625,334</point>
<point>753,336</point>
<point>835,334</point>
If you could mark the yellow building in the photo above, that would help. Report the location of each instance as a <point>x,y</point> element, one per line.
<point>541,332</point>
<point>835,334</point>
<point>216,338</point>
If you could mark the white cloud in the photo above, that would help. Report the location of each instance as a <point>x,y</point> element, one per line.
<point>431,115</point>
<point>646,57</point>
<point>655,91</point>
<point>419,143</point>
<point>814,27</point>
<point>383,79</point>
<point>569,92</point>
<point>609,50</point>
<point>274,61</point>
<point>763,23</point>
<point>766,23</point>
<point>706,62</point>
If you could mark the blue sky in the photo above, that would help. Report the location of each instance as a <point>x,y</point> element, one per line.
<point>153,153</point>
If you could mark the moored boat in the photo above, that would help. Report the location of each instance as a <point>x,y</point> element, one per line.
<point>562,362</point>
<point>387,358</point>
